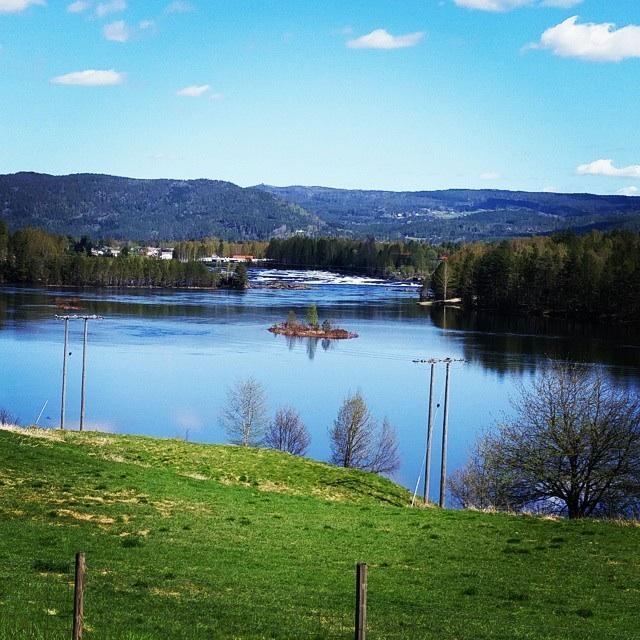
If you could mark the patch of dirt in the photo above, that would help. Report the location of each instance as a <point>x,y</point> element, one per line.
<point>85,517</point>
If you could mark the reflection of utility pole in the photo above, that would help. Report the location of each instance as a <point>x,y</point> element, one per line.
<point>84,365</point>
<point>427,464</point>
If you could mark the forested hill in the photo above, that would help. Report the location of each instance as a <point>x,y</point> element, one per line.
<point>102,206</point>
<point>460,214</point>
<point>124,208</point>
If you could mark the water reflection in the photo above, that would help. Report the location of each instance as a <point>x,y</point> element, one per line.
<point>522,345</point>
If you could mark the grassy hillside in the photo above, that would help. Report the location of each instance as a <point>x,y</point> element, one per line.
<point>194,541</point>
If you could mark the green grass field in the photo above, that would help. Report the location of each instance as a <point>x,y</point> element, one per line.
<point>194,541</point>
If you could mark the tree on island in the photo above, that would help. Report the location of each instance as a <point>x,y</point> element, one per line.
<point>244,415</point>
<point>358,442</point>
<point>572,448</point>
<point>287,432</point>
<point>292,319</point>
<point>312,316</point>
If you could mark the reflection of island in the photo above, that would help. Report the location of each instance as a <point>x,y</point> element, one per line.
<point>292,328</point>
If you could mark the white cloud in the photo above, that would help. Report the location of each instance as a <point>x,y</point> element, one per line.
<point>112,6</point>
<point>143,25</point>
<point>90,78</point>
<point>16,6</point>
<point>382,39</point>
<point>607,168</point>
<point>179,6</point>
<point>500,6</point>
<point>194,91</point>
<point>78,7</point>
<point>628,191</point>
<point>490,175</point>
<point>117,31</point>
<point>591,41</point>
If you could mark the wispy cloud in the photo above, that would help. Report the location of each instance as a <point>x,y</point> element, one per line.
<point>78,7</point>
<point>628,191</point>
<point>382,39</point>
<point>179,6</point>
<point>112,6</point>
<point>607,168</point>
<point>144,25</point>
<point>490,175</point>
<point>16,6</point>
<point>597,42</point>
<point>194,90</point>
<point>117,31</point>
<point>501,6</point>
<point>90,78</point>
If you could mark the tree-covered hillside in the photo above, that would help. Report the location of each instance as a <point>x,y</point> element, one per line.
<point>458,215</point>
<point>124,208</point>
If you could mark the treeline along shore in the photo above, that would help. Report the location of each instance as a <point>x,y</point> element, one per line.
<point>592,277</point>
<point>33,257</point>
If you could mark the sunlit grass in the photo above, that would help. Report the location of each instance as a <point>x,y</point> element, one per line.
<point>195,541</point>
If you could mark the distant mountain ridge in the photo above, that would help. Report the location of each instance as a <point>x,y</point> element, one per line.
<point>460,214</point>
<point>107,206</point>
<point>104,206</point>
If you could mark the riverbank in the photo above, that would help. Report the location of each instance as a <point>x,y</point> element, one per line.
<point>251,543</point>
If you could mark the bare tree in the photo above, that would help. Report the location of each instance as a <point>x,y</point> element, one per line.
<point>287,432</point>
<point>244,415</point>
<point>573,447</point>
<point>6,418</point>
<point>357,440</point>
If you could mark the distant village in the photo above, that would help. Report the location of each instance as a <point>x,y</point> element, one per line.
<point>168,253</point>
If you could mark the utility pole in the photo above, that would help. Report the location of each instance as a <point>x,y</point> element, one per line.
<point>84,374</point>
<point>445,279</point>
<point>84,365</point>
<point>427,459</point>
<point>445,429</point>
<point>64,370</point>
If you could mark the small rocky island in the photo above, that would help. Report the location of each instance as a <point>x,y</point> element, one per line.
<point>311,328</point>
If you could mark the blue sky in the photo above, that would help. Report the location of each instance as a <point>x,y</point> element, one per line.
<point>393,94</point>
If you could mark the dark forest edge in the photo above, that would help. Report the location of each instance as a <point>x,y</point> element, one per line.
<point>593,277</point>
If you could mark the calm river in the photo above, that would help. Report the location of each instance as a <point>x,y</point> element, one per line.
<point>160,361</point>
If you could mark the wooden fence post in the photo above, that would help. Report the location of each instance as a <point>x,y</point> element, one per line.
<point>78,597</point>
<point>361,601</point>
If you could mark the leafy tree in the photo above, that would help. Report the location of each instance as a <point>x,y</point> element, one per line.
<point>326,326</point>
<point>287,432</point>
<point>312,316</point>
<point>357,441</point>
<point>244,415</point>
<point>292,319</point>
<point>573,448</point>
